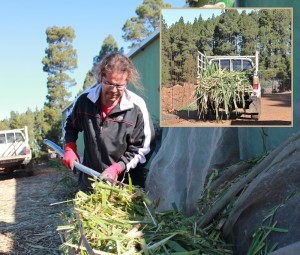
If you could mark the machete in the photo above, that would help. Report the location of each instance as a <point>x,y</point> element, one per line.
<point>76,164</point>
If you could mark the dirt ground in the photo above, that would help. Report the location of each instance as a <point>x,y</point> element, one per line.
<point>276,110</point>
<point>29,214</point>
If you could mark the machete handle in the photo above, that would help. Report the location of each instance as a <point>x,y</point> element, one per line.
<point>76,164</point>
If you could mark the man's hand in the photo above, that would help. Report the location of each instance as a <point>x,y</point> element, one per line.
<point>112,172</point>
<point>70,155</point>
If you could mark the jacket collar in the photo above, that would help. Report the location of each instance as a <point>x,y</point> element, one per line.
<point>126,100</point>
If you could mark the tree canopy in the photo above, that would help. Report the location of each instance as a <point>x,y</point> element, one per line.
<point>108,46</point>
<point>137,28</point>
<point>268,31</point>
<point>60,60</point>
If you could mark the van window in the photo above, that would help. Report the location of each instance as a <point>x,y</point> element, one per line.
<point>10,137</point>
<point>2,138</point>
<point>19,137</point>
<point>247,65</point>
<point>225,64</point>
<point>236,64</point>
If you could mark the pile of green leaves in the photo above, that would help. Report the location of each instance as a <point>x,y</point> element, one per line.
<point>120,220</point>
<point>109,218</point>
<point>221,88</point>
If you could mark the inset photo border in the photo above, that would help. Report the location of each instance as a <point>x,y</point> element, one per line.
<point>226,67</point>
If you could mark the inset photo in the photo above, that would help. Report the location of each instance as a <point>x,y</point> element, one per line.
<point>226,67</point>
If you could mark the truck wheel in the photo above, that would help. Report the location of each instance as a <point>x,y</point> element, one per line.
<point>28,169</point>
<point>255,108</point>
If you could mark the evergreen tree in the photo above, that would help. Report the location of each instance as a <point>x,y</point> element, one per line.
<point>227,33</point>
<point>165,54</point>
<point>183,49</point>
<point>176,31</point>
<point>60,59</point>
<point>19,120</point>
<point>249,33</point>
<point>41,129</point>
<point>231,33</point>
<point>137,28</point>
<point>109,45</point>
<point>265,31</point>
<point>15,120</point>
<point>204,32</point>
<point>4,124</point>
<point>275,44</point>
<point>88,81</point>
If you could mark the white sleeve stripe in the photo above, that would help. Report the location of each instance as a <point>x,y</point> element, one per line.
<point>140,157</point>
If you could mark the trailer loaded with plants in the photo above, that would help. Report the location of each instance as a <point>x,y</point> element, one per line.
<point>227,83</point>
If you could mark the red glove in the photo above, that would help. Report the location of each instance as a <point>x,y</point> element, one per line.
<point>112,172</point>
<point>70,155</point>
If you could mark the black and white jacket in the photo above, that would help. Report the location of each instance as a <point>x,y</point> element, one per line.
<point>125,136</point>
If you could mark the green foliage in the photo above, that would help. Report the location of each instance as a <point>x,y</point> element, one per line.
<point>231,33</point>
<point>121,219</point>
<point>88,81</point>
<point>34,123</point>
<point>275,41</point>
<point>178,54</point>
<point>109,45</point>
<point>60,55</point>
<point>227,33</point>
<point>165,41</point>
<point>249,26</point>
<point>220,88</point>
<point>4,124</point>
<point>137,28</point>
<point>60,59</point>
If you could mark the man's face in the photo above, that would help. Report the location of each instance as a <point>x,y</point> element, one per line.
<point>113,86</point>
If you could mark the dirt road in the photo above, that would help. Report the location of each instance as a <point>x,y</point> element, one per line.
<point>28,220</point>
<point>276,111</point>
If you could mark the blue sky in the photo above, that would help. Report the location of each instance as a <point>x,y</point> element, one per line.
<point>23,84</point>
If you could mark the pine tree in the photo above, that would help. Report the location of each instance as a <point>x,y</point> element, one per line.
<point>137,28</point>
<point>165,54</point>
<point>227,33</point>
<point>231,33</point>
<point>248,24</point>
<point>88,81</point>
<point>109,45</point>
<point>60,59</point>
<point>183,49</point>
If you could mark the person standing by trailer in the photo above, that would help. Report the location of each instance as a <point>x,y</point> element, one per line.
<point>117,128</point>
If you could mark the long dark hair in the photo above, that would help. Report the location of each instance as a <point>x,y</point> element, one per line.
<point>117,61</point>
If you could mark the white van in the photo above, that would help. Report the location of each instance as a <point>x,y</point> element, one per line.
<point>15,151</point>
